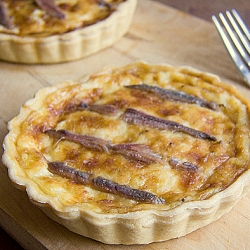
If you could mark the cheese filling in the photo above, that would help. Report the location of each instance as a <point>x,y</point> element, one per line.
<point>188,168</point>
<point>28,19</point>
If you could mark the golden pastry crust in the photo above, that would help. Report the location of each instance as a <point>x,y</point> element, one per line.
<point>151,150</point>
<point>78,29</point>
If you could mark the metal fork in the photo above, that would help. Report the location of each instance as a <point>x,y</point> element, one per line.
<point>236,37</point>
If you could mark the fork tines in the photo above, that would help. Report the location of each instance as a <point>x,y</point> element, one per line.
<point>236,37</point>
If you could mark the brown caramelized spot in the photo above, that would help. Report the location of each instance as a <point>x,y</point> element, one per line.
<point>226,174</point>
<point>65,6</point>
<point>189,179</point>
<point>90,164</point>
<point>169,112</point>
<point>70,8</point>
<point>119,103</point>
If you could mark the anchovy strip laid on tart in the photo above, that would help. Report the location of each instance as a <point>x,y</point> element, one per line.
<point>132,155</point>
<point>53,31</point>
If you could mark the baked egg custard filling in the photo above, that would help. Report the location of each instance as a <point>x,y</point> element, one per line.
<point>50,17</point>
<point>135,138</point>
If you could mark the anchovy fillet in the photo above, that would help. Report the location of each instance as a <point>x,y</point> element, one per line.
<point>133,116</point>
<point>87,141</point>
<point>167,94</point>
<point>105,109</point>
<point>136,152</point>
<point>177,164</point>
<point>5,19</point>
<point>50,7</point>
<point>60,168</point>
<point>103,3</point>
<point>102,184</point>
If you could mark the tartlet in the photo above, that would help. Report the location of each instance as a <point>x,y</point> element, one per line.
<point>134,154</point>
<point>48,31</point>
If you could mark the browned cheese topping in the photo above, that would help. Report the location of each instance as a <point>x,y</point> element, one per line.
<point>134,138</point>
<point>49,17</point>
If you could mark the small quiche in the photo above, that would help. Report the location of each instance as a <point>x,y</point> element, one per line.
<point>53,31</point>
<point>135,154</point>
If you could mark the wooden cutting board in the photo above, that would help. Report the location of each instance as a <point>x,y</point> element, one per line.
<point>158,34</point>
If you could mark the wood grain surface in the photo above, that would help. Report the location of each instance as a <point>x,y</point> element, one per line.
<point>205,9</point>
<point>159,34</point>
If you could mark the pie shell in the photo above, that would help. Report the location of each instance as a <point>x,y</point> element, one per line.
<point>139,227</point>
<point>69,46</point>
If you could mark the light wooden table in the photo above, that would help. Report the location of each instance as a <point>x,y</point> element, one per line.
<point>159,34</point>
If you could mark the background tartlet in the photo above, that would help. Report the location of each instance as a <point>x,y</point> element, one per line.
<point>68,35</point>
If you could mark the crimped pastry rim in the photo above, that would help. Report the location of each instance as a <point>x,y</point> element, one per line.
<point>69,46</point>
<point>185,215</point>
